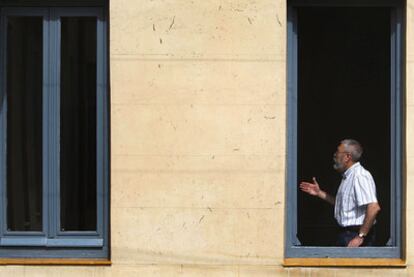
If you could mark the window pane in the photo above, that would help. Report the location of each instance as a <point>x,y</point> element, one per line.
<point>24,123</point>
<point>78,124</point>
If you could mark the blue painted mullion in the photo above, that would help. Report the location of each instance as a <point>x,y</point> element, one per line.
<point>100,119</point>
<point>398,62</point>
<point>396,138</point>
<point>45,118</point>
<point>53,121</point>
<point>3,123</point>
<point>106,131</point>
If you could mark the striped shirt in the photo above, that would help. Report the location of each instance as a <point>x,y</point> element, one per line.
<point>356,191</point>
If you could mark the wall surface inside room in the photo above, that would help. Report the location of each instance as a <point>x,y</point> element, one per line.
<point>198,142</point>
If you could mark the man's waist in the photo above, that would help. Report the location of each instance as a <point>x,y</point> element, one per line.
<point>353,228</point>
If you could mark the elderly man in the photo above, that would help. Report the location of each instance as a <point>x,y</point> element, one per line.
<point>356,204</point>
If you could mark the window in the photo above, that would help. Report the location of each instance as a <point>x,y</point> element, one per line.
<point>344,80</point>
<point>53,132</point>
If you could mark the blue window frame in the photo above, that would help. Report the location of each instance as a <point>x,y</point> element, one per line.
<point>69,73</point>
<point>394,247</point>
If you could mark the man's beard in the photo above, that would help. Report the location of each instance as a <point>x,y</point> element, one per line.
<point>338,165</point>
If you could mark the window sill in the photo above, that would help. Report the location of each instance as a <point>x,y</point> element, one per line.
<point>343,262</point>
<point>91,262</point>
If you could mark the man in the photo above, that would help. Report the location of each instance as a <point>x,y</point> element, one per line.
<point>356,204</point>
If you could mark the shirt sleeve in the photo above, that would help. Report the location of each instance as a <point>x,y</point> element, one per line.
<point>365,191</point>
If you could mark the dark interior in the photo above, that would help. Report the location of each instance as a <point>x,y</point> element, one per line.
<point>343,92</point>
<point>78,124</point>
<point>24,123</point>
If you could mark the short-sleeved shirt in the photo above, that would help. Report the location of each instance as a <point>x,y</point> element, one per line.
<point>356,191</point>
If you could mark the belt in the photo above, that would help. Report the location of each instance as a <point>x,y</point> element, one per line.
<point>354,228</point>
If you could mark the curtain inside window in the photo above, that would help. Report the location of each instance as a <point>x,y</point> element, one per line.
<point>78,124</point>
<point>24,123</point>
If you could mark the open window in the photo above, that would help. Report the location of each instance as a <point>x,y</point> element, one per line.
<point>53,131</point>
<point>344,81</point>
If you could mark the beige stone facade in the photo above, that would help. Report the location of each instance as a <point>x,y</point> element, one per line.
<point>198,142</point>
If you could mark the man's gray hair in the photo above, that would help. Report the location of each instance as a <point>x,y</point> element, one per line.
<point>354,148</point>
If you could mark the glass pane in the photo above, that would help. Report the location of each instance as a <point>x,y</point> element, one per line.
<point>24,123</point>
<point>78,124</point>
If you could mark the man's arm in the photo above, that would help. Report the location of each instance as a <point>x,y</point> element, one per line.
<point>327,197</point>
<point>372,211</point>
<point>314,189</point>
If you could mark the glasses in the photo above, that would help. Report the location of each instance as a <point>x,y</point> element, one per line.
<point>342,152</point>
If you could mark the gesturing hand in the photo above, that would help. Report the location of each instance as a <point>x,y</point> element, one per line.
<point>310,188</point>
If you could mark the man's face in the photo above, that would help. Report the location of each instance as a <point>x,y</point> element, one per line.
<point>340,159</point>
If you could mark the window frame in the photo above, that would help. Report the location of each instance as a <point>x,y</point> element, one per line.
<point>394,250</point>
<point>51,242</point>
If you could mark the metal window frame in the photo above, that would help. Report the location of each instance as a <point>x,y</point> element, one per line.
<point>394,249</point>
<point>51,242</point>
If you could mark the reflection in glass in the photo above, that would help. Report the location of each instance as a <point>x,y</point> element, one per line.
<point>78,124</point>
<point>24,123</point>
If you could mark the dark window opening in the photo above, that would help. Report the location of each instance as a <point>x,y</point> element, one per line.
<point>24,123</point>
<point>78,124</point>
<point>344,91</point>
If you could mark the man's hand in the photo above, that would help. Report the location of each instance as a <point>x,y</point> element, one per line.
<point>310,188</point>
<point>314,189</point>
<point>356,242</point>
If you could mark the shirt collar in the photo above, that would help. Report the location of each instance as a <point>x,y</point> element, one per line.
<point>349,170</point>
